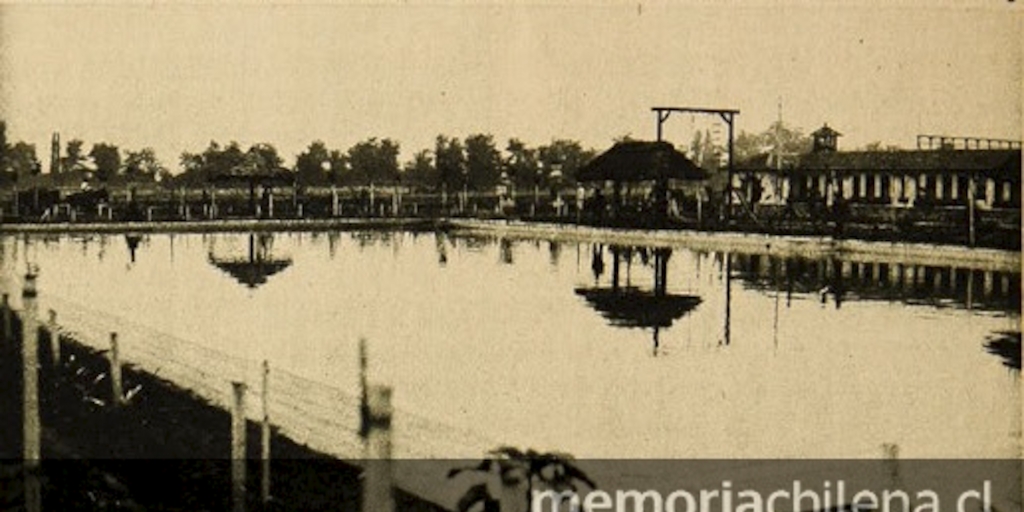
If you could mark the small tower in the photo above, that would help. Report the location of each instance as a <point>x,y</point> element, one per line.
<point>825,139</point>
<point>55,153</point>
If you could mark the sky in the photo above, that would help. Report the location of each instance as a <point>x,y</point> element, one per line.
<point>175,76</point>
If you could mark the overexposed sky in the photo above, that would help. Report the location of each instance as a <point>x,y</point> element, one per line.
<point>175,76</point>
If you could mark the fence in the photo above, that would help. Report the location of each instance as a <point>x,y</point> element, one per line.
<point>322,417</point>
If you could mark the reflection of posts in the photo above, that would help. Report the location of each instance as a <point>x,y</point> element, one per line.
<point>30,393</point>
<point>378,487</point>
<point>726,274</point>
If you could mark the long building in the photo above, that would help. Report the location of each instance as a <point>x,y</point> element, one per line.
<point>943,177</point>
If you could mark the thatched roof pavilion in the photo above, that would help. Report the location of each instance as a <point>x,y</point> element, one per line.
<point>641,161</point>
<point>636,161</point>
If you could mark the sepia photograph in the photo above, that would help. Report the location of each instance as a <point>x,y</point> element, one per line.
<point>515,256</point>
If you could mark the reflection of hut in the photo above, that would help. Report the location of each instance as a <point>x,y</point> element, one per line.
<point>629,306</point>
<point>653,167</point>
<point>133,244</point>
<point>254,269</point>
<point>255,176</point>
<point>1006,345</point>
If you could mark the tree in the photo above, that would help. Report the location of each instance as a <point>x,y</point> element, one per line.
<point>450,162</point>
<point>568,154</point>
<point>522,163</point>
<point>3,142</point>
<point>142,165</point>
<point>878,146</point>
<point>264,157</point>
<point>420,170</point>
<point>74,155</point>
<point>107,158</point>
<point>779,139</point>
<point>309,165</point>
<point>374,161</point>
<point>222,161</point>
<point>20,160</point>
<point>483,162</point>
<point>521,471</point>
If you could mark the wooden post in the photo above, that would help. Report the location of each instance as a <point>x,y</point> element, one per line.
<point>265,436</point>
<point>970,211</point>
<point>116,389</point>
<point>890,458</point>
<point>238,447</point>
<point>8,319</point>
<point>334,201</point>
<point>30,390</point>
<point>54,338</point>
<point>378,485</point>
<point>364,407</point>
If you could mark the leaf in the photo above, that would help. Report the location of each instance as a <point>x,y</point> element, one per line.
<point>476,494</point>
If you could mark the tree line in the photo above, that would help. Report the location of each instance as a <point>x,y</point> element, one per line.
<point>477,162</point>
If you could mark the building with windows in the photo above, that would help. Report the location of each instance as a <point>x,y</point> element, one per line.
<point>949,175</point>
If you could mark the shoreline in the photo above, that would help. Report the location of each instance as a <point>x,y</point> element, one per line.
<point>732,241</point>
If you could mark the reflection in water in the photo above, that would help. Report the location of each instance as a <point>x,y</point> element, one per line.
<point>254,269</point>
<point>749,399</point>
<point>1007,346</point>
<point>442,249</point>
<point>554,252</point>
<point>133,244</point>
<point>890,281</point>
<point>505,250</point>
<point>629,306</point>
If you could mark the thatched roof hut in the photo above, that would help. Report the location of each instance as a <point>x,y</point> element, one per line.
<point>634,161</point>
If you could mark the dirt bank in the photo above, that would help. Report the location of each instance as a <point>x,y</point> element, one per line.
<point>166,450</point>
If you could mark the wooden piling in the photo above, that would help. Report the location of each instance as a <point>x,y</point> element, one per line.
<point>971,192</point>
<point>890,459</point>
<point>30,395</point>
<point>54,338</point>
<point>116,387</point>
<point>265,436</point>
<point>238,447</point>
<point>364,407</point>
<point>8,319</point>
<point>378,485</point>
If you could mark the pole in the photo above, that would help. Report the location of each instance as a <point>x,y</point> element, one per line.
<point>116,388</point>
<point>8,319</point>
<point>377,488</point>
<point>727,271</point>
<point>265,436</point>
<point>729,120</point>
<point>54,338</point>
<point>364,407</point>
<point>30,390</point>
<point>238,447</point>
<point>970,211</point>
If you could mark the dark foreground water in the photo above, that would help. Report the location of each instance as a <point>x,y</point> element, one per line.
<point>594,349</point>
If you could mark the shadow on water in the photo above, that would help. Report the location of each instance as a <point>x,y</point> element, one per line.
<point>1006,345</point>
<point>631,306</point>
<point>907,283</point>
<point>254,269</point>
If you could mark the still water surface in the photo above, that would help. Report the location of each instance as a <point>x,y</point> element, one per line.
<point>594,349</point>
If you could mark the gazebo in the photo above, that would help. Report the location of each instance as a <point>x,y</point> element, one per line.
<point>654,163</point>
<point>254,269</point>
<point>253,176</point>
<point>630,306</point>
